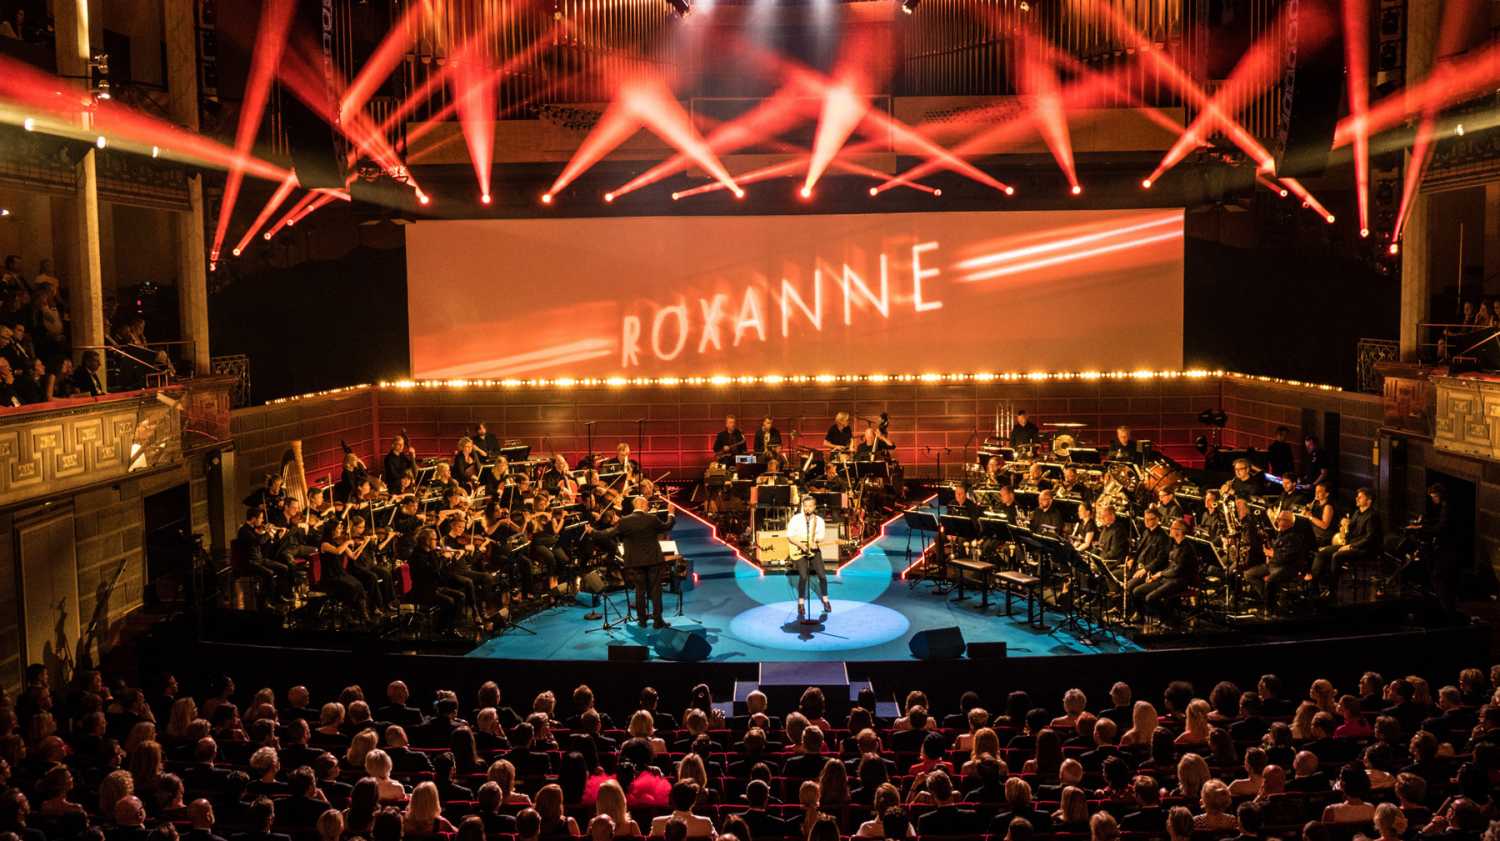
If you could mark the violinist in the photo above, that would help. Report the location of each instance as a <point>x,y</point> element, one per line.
<point>459,573</point>
<point>362,567</point>
<point>544,527</point>
<point>730,441</point>
<point>407,487</point>
<point>297,537</point>
<point>499,482</point>
<point>400,459</point>
<point>318,507</point>
<point>622,462</point>
<point>768,437</point>
<point>269,495</point>
<point>485,443</point>
<point>359,499</point>
<point>441,480</point>
<point>465,469</point>
<point>251,549</point>
<point>427,586</point>
<point>334,554</point>
<point>405,524</point>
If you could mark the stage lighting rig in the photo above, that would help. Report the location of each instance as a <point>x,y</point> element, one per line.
<point>909,6</point>
<point>681,8</point>
<point>99,76</point>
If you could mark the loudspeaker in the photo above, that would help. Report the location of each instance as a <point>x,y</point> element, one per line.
<point>672,644</point>
<point>627,653</point>
<point>937,644</point>
<point>310,137</point>
<point>986,651</point>
<point>1312,84</point>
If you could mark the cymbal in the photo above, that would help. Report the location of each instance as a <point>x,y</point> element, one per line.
<point>1066,424</point>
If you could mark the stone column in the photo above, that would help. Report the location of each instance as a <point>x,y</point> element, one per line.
<point>1422,24</point>
<point>182,90</point>
<point>85,297</point>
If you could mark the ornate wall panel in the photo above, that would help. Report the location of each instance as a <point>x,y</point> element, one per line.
<point>1468,417</point>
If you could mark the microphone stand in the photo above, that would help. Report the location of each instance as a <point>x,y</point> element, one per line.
<point>640,439</point>
<point>589,429</point>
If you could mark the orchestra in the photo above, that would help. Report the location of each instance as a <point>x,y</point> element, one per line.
<point>490,533</point>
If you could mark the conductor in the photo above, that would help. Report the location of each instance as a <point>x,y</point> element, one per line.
<point>804,533</point>
<point>639,533</point>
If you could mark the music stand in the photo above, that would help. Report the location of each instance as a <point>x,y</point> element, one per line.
<point>1212,551</point>
<point>963,527</point>
<point>872,470</point>
<point>774,496</point>
<point>918,522</point>
<point>946,494</point>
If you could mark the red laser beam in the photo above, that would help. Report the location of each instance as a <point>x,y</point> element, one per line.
<point>320,202</point>
<point>1450,82</point>
<point>1357,67</point>
<point>29,89</point>
<point>277,199</point>
<point>1308,198</point>
<point>387,55</point>
<point>270,38</point>
<point>286,218</point>
<point>1039,80</point>
<point>474,95</point>
<point>845,105</point>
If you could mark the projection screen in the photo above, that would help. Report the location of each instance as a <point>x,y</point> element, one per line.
<point>752,295</point>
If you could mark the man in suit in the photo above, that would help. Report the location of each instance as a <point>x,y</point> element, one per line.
<point>130,821</point>
<point>1148,815</point>
<point>762,823</point>
<point>335,791</point>
<point>201,814</point>
<point>262,815</point>
<point>306,803</point>
<point>397,711</point>
<point>809,760</point>
<point>295,752</point>
<point>403,758</point>
<point>640,533</point>
<point>947,818</point>
<point>1159,591</point>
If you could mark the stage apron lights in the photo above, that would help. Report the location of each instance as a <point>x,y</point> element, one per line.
<point>686,296</point>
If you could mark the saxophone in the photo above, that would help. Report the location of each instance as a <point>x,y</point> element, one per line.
<point>1342,538</point>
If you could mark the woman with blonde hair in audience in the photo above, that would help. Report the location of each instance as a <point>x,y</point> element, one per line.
<point>1072,813</point>
<point>330,720</point>
<point>1390,824</point>
<point>1215,801</point>
<point>140,733</point>
<point>1196,727</point>
<point>116,786</point>
<point>330,825</point>
<point>886,797</point>
<point>1302,721</point>
<point>549,804</point>
<point>986,742</point>
<point>378,766</point>
<point>359,747</point>
<point>1421,694</point>
<point>424,813</point>
<point>914,699</point>
<point>643,726</point>
<point>503,774</point>
<point>979,719</point>
<point>611,801</point>
<point>809,796</point>
<point>690,768</point>
<point>1323,695</point>
<point>1143,722</point>
<point>1179,824</point>
<point>545,703</point>
<point>145,764</point>
<point>1192,773</point>
<point>1103,827</point>
<point>833,785</point>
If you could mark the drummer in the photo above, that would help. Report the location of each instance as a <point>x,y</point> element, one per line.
<point>1023,433</point>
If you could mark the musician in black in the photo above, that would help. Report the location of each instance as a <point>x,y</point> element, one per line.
<point>1005,506</point>
<point>1279,458</point>
<point>1113,541</point>
<point>640,533</point>
<point>406,524</point>
<point>1167,505</point>
<point>622,462</point>
<point>1316,465</point>
<point>485,442</point>
<point>251,550</point>
<point>1072,486</point>
<point>730,441</point>
<point>351,476</point>
<point>1211,523</point>
<point>1435,529</point>
<point>466,467</point>
<point>831,480</point>
<point>334,553</point>
<point>269,495</point>
<point>1244,543</point>
<point>1124,447</point>
<point>1284,558</point>
<point>400,459</point>
<point>427,586</point>
<point>773,474</point>
<point>1084,530</point>
<point>1048,518</point>
<point>362,566</point>
<point>1321,514</point>
<point>1362,539</point>
<point>963,505</point>
<point>1149,555</point>
<point>1155,596</point>
<point>1244,484</point>
<point>839,435</point>
<point>873,445</point>
<point>1023,431</point>
<point>768,437</point>
<point>995,473</point>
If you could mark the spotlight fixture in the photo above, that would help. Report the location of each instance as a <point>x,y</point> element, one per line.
<point>1331,218</point>
<point>29,124</point>
<point>1460,130</point>
<point>100,141</point>
<point>485,199</point>
<point>676,196</point>
<point>874,191</point>
<point>4,211</point>
<point>1395,248</point>
<point>805,192</point>
<point>266,236</point>
<point>1010,191</point>
<point>1364,232</point>
<point>546,198</point>
<point>236,252</point>
<point>155,151</point>
<point>99,76</point>
<point>1025,7</point>
<point>1077,190</point>
<point>1285,193</point>
<point>609,198</point>
<point>739,194</point>
<point>909,6</point>
<point>681,8</point>
<point>1145,183</point>
<point>424,199</point>
<point>937,191</point>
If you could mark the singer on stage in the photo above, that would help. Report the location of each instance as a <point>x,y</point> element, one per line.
<point>804,533</point>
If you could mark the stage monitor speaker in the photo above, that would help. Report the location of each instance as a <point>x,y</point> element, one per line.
<point>672,644</point>
<point>986,651</point>
<point>627,653</point>
<point>311,139</point>
<point>937,644</point>
<point>1312,83</point>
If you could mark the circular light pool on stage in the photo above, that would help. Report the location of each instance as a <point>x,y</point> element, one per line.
<point>851,625</point>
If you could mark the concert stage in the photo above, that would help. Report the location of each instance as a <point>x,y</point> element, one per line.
<point>748,616</point>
